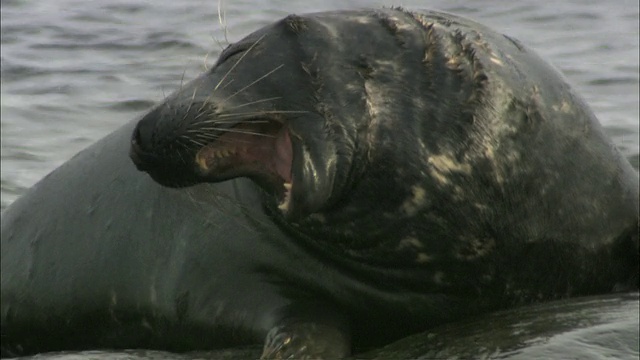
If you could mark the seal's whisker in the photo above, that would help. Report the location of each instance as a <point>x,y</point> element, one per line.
<point>206,137</point>
<point>181,156</point>
<point>222,18</point>
<point>206,134</point>
<point>183,142</point>
<point>206,101</point>
<point>238,62</point>
<point>201,129</point>
<point>193,97</point>
<point>222,21</point>
<point>227,84</point>
<point>258,113</point>
<point>234,130</point>
<point>237,131</point>
<point>235,141</point>
<point>191,140</point>
<point>254,102</point>
<point>197,142</point>
<point>184,145</point>
<point>164,94</point>
<point>252,83</point>
<point>200,114</point>
<point>215,138</point>
<point>204,61</point>
<point>223,122</point>
<point>202,132</point>
<point>182,79</point>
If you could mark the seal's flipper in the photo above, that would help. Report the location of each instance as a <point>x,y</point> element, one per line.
<point>308,332</point>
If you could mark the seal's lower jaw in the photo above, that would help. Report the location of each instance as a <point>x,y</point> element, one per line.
<point>261,150</point>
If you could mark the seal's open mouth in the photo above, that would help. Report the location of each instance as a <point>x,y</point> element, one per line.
<point>259,149</point>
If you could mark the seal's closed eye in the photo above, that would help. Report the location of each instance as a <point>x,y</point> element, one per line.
<point>232,50</point>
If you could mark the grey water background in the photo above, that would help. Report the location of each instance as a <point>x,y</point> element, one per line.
<point>74,70</point>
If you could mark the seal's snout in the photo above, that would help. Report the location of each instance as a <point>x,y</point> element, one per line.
<point>135,151</point>
<point>139,151</point>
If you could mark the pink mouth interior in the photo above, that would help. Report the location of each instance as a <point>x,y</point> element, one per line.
<point>261,150</point>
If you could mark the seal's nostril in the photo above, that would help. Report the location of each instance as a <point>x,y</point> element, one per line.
<point>139,148</point>
<point>136,155</point>
<point>142,135</point>
<point>136,140</point>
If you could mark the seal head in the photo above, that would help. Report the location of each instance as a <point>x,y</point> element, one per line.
<point>277,138</point>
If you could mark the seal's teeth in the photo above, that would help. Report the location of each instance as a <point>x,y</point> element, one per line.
<point>202,162</point>
<point>222,153</point>
<point>284,205</point>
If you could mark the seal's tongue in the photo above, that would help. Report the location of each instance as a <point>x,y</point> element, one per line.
<point>283,155</point>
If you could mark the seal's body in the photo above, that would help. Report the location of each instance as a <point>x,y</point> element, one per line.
<point>404,170</point>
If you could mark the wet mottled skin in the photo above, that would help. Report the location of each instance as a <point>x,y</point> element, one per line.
<point>404,170</point>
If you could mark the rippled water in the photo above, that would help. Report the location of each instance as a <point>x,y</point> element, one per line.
<point>74,70</point>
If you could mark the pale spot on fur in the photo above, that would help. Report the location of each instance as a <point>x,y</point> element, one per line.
<point>401,24</point>
<point>318,217</point>
<point>372,96</point>
<point>438,278</point>
<point>439,177</point>
<point>410,242</point>
<point>423,258</point>
<point>153,294</point>
<point>453,63</point>
<point>474,248</point>
<point>220,308</point>
<point>496,61</point>
<point>481,207</point>
<point>363,19</point>
<point>114,298</point>
<point>563,107</point>
<point>490,154</point>
<point>442,165</point>
<point>353,87</point>
<point>458,193</point>
<point>415,202</point>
